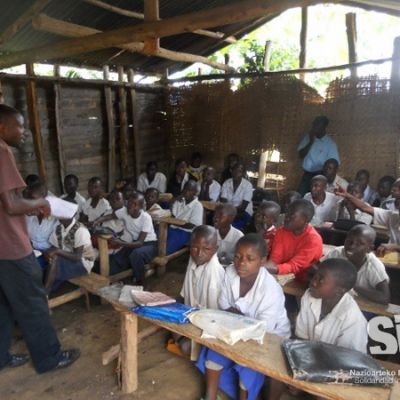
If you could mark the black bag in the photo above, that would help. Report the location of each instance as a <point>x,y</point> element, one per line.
<point>325,363</point>
<point>345,224</point>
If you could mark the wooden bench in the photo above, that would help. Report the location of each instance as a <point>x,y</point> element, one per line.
<point>295,288</point>
<point>267,358</point>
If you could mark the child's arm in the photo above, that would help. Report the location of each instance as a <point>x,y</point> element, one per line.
<point>357,202</point>
<point>133,245</point>
<point>381,293</point>
<point>387,248</point>
<point>76,255</point>
<point>104,218</point>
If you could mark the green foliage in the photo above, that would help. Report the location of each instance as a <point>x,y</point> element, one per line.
<point>71,73</point>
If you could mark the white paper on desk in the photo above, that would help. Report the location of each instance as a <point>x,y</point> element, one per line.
<point>61,208</point>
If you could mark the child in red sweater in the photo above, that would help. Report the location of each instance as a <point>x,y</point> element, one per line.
<point>297,245</point>
<point>265,220</point>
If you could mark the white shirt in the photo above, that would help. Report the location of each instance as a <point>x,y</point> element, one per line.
<point>338,181</point>
<point>265,301</point>
<point>202,285</point>
<point>39,233</point>
<point>359,215</point>
<point>389,204</point>
<point>370,195</point>
<point>93,213</point>
<point>371,273</point>
<point>143,223</point>
<point>344,326</point>
<point>191,213</point>
<point>79,199</point>
<point>213,191</point>
<point>390,219</point>
<point>81,238</point>
<point>327,210</point>
<point>159,182</point>
<point>226,246</point>
<point>243,192</point>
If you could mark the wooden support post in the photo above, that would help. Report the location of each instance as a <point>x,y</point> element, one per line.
<point>267,54</point>
<point>59,127</point>
<point>34,122</point>
<point>303,40</point>
<point>351,30</point>
<point>261,169</point>
<point>103,256</point>
<point>1,94</point>
<point>151,13</point>
<point>135,117</point>
<point>129,356</point>
<point>110,129</point>
<point>123,125</point>
<point>395,76</point>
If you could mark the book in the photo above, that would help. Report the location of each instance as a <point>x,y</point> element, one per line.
<point>144,298</point>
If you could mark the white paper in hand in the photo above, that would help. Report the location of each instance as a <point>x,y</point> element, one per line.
<point>60,208</point>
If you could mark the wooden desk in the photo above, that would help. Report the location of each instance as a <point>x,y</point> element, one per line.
<point>267,359</point>
<point>391,260</point>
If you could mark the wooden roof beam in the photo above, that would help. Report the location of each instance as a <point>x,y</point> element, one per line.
<point>45,23</point>
<point>229,14</point>
<point>151,13</point>
<point>134,14</point>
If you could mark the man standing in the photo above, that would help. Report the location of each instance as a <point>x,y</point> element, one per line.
<point>22,296</point>
<point>315,148</point>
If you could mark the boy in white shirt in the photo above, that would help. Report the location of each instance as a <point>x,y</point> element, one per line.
<point>328,313</point>
<point>71,185</point>
<point>227,235</point>
<point>372,279</point>
<point>152,179</point>
<point>152,207</point>
<point>330,170</point>
<point>189,209</point>
<point>209,189</point>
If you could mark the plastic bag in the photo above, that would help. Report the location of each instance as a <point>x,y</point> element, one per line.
<point>175,313</point>
<point>228,327</point>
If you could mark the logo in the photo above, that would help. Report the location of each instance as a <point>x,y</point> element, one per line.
<point>386,333</point>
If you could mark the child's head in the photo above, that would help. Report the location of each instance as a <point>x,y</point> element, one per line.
<point>232,159</point>
<point>250,255</point>
<point>203,244</point>
<point>356,190</point>
<point>196,159</point>
<point>318,186</point>
<point>359,242</point>
<point>128,190</point>
<point>299,214</point>
<point>151,170</point>
<point>116,199</point>
<point>238,171</point>
<point>135,204</point>
<point>334,277</point>
<point>330,169</point>
<point>180,167</point>
<point>95,187</point>
<point>151,196</point>
<point>396,189</point>
<point>37,190</point>
<point>267,214</point>
<point>71,184</point>
<point>208,174</point>
<point>189,190</point>
<point>224,215</point>
<point>362,176</point>
<point>31,179</point>
<point>12,129</point>
<point>288,199</point>
<point>385,186</point>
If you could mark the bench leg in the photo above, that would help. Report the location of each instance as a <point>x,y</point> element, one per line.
<point>87,300</point>
<point>129,357</point>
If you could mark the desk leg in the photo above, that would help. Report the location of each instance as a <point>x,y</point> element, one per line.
<point>129,356</point>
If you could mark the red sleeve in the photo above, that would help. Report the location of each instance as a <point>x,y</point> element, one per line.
<point>10,179</point>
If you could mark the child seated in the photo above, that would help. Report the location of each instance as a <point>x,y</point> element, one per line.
<point>297,245</point>
<point>152,207</point>
<point>347,210</point>
<point>71,185</point>
<point>330,170</point>
<point>328,312</point>
<point>152,179</point>
<point>243,291</point>
<point>265,218</point>
<point>209,189</point>
<point>287,200</point>
<point>196,168</point>
<point>239,192</point>
<point>227,235</point>
<point>143,247</point>
<point>179,178</point>
<point>385,199</point>
<point>71,254</point>
<point>325,203</point>
<point>95,206</point>
<point>369,195</point>
<point>372,279</point>
<point>189,209</point>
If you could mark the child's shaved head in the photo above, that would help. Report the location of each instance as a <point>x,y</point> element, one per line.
<point>271,207</point>
<point>227,209</point>
<point>364,230</point>
<point>303,207</point>
<point>254,240</point>
<point>319,178</point>
<point>203,244</point>
<point>207,232</point>
<point>344,272</point>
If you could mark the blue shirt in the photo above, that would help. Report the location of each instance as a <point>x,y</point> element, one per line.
<point>321,150</point>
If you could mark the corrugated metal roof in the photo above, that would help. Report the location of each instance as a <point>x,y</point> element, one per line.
<point>82,13</point>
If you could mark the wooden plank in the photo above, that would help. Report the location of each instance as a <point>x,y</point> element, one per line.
<point>91,282</point>
<point>59,132</point>
<point>395,75</point>
<point>123,125</point>
<point>34,123</point>
<point>351,31</point>
<point>151,13</point>
<point>267,55</point>
<point>217,16</point>
<point>102,242</point>
<point>135,118</point>
<point>209,205</point>
<point>303,40</point>
<point>65,298</point>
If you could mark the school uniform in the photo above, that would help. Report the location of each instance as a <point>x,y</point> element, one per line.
<point>40,232</point>
<point>255,304</point>
<point>344,326</point>
<point>226,246</point>
<point>135,258</point>
<point>390,219</point>
<point>326,211</point>
<point>388,204</point>
<point>370,195</point>
<point>95,212</point>
<point>359,215</point>
<point>176,187</point>
<point>202,285</point>
<point>73,236</point>
<point>214,190</point>
<point>79,199</point>
<point>159,182</point>
<point>191,213</point>
<point>244,192</point>
<point>371,273</point>
<point>337,182</point>
<point>196,172</point>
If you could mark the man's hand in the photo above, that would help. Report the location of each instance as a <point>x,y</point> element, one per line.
<point>339,191</point>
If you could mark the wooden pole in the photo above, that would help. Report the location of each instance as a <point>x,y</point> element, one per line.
<point>135,117</point>
<point>267,54</point>
<point>303,40</point>
<point>151,13</point>
<point>351,30</point>
<point>1,94</point>
<point>226,60</point>
<point>34,123</point>
<point>59,127</point>
<point>261,169</point>
<point>123,125</point>
<point>110,129</point>
<point>395,75</point>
